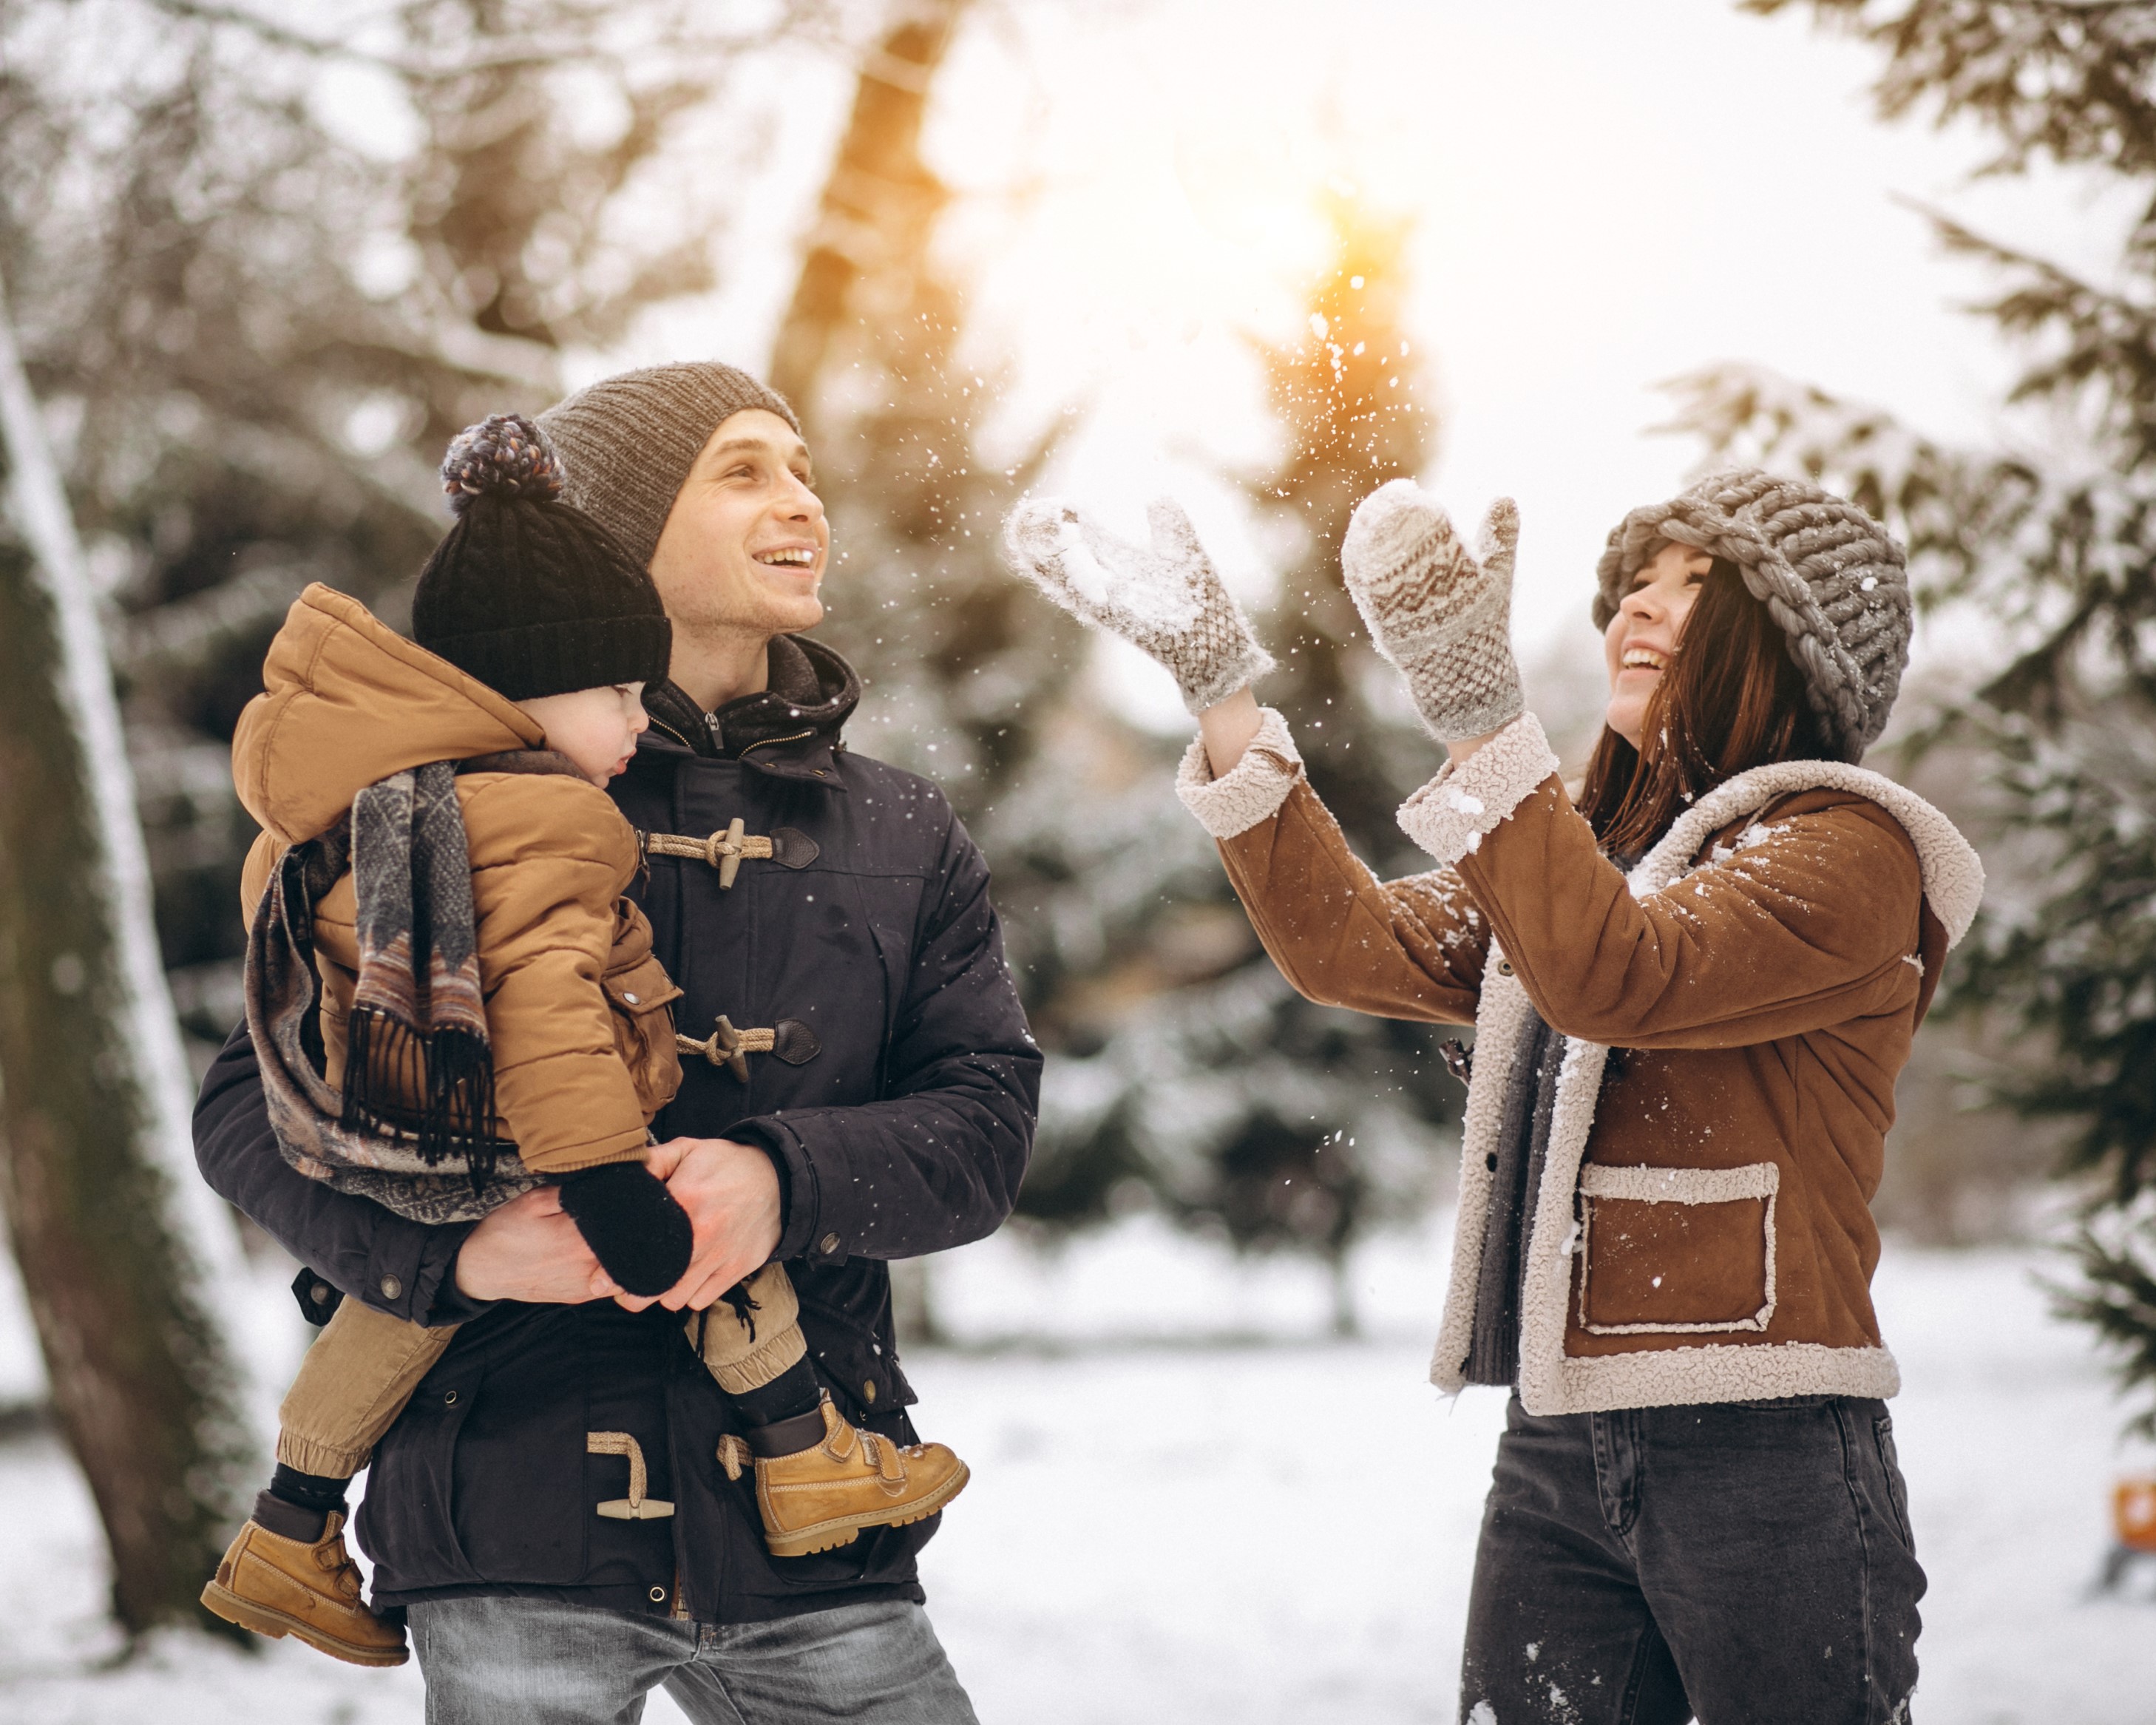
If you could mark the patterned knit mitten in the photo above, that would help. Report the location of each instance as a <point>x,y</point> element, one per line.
<point>1165,600</point>
<point>1443,617</point>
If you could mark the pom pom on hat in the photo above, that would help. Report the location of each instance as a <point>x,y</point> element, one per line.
<point>531,595</point>
<point>503,455</point>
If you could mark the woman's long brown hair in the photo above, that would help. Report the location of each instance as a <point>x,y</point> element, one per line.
<point>1731,700</point>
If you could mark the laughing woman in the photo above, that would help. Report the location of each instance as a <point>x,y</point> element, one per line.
<point>1692,987</point>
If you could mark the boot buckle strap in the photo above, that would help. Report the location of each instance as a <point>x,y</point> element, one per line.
<point>882,1455</point>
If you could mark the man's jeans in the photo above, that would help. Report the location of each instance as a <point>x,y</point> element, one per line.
<point>536,1662</point>
<point>1750,1560</point>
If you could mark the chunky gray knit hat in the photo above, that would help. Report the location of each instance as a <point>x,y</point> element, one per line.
<point>628,442</point>
<point>1829,574</point>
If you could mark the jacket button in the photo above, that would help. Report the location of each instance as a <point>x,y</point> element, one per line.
<point>629,997</point>
<point>391,1287</point>
<point>868,1390</point>
<point>658,1596</point>
<point>827,1244</point>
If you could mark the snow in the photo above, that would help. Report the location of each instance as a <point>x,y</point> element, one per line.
<point>1170,1516</point>
<point>1126,581</point>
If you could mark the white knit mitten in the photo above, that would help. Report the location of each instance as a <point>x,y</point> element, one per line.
<point>1165,600</point>
<point>1443,617</point>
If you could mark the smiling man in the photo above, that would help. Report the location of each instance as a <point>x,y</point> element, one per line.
<point>567,1511</point>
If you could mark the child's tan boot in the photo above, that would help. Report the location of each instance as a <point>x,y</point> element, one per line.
<point>277,1587</point>
<point>814,1498</point>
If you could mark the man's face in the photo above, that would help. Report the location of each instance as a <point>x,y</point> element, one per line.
<point>745,545</point>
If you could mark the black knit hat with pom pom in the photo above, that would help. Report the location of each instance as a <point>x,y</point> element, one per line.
<point>527,592</point>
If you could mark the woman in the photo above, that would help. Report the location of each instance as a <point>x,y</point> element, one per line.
<point>1691,990</point>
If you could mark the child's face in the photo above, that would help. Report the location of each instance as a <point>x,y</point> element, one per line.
<point>596,728</point>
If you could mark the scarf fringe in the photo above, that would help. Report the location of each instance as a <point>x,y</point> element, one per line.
<point>387,1062</point>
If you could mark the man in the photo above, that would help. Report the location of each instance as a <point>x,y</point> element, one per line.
<point>865,1091</point>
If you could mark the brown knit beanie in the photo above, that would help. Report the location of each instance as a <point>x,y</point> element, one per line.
<point>1829,574</point>
<point>628,442</point>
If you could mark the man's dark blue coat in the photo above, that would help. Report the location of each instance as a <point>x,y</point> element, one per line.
<point>904,1131</point>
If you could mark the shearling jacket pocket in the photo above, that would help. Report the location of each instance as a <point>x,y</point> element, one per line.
<point>1672,1249</point>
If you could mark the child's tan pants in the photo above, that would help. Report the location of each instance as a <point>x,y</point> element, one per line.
<point>363,1368</point>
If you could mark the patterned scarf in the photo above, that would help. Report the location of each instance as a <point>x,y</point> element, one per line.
<point>418,1060</point>
<point>413,1128</point>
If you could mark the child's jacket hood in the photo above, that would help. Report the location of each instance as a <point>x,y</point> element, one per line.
<point>346,701</point>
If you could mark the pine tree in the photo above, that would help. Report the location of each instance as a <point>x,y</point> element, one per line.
<point>2060,548</point>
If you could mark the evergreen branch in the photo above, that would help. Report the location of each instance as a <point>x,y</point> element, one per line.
<point>2070,80</point>
<point>2118,1300</point>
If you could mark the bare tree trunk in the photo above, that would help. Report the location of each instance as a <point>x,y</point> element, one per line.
<point>1347,1317</point>
<point>116,1235</point>
<point>880,203</point>
<point>873,226</point>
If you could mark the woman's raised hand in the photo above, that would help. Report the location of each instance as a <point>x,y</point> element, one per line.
<point>1165,600</point>
<point>1442,615</point>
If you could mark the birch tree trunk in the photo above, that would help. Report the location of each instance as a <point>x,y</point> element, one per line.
<point>119,1241</point>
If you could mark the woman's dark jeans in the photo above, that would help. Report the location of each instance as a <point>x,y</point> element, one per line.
<point>1750,1561</point>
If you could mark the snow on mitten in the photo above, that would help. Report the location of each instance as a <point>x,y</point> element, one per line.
<point>1164,599</point>
<point>1442,616</point>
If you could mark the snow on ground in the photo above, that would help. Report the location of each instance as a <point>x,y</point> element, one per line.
<point>1189,1506</point>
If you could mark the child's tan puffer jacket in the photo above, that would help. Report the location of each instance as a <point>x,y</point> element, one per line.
<point>575,1004</point>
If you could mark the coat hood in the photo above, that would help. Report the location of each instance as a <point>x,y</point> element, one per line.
<point>346,701</point>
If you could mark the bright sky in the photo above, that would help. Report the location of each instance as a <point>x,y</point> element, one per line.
<point>1605,196</point>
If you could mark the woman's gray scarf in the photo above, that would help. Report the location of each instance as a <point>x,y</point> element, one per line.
<point>1493,1352</point>
<point>414,1127</point>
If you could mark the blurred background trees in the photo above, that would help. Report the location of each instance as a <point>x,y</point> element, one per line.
<point>2053,541</point>
<point>250,339</point>
<point>253,330</point>
<point>1193,1080</point>
<point>255,326</point>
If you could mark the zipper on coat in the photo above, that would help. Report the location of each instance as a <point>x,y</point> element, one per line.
<point>771,741</point>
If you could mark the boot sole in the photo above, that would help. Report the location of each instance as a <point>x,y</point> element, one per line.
<point>830,1535</point>
<point>266,1621</point>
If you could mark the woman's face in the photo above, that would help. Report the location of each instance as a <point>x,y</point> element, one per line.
<point>1642,637</point>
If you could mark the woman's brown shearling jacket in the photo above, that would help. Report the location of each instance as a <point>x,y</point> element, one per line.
<point>1703,1232</point>
<point>575,1004</point>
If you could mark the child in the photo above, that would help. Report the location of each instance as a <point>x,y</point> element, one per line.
<point>453,1003</point>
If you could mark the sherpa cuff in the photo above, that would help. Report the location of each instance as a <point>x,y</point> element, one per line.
<point>1447,816</point>
<point>1255,788</point>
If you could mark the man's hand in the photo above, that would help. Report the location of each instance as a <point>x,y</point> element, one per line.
<point>730,1192</point>
<point>529,1249</point>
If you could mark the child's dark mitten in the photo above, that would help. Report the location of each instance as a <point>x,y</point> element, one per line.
<point>641,1236</point>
